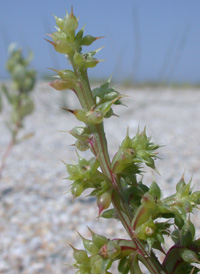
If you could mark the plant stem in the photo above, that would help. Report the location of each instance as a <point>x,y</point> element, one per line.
<point>11,144</point>
<point>100,150</point>
<point>5,156</point>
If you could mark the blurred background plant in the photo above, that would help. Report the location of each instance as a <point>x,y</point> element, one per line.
<point>17,95</point>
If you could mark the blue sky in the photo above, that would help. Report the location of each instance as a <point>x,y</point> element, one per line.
<point>145,40</point>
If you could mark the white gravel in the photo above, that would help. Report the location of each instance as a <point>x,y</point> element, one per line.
<point>37,220</point>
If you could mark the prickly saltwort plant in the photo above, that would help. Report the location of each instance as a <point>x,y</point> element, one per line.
<point>147,217</point>
<point>18,96</point>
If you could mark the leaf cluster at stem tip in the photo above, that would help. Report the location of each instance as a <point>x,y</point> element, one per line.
<point>17,95</point>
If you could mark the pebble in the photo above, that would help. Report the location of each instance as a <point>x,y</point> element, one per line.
<point>37,219</point>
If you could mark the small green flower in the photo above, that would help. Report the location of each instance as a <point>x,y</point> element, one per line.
<point>104,201</point>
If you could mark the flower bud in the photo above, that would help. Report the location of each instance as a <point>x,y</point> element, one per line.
<point>91,63</point>
<point>59,22</point>
<point>77,189</point>
<point>60,84</point>
<point>145,230</point>
<point>88,40</point>
<point>80,115</point>
<point>81,133</point>
<point>66,74</point>
<point>84,61</point>
<point>189,256</point>
<point>149,231</point>
<point>80,256</point>
<point>180,184</point>
<point>61,46</point>
<point>71,169</point>
<point>154,190</point>
<point>95,117</point>
<point>82,145</point>
<point>58,36</point>
<point>89,246</point>
<point>98,240</point>
<point>104,251</point>
<point>103,201</point>
<point>70,23</point>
